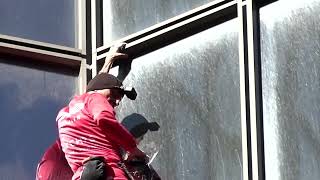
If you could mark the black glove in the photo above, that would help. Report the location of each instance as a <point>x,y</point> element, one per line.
<point>94,169</point>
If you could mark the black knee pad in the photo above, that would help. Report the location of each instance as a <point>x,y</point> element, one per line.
<point>94,169</point>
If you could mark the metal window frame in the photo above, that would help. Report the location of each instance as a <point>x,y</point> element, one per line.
<point>94,33</point>
<point>99,23</point>
<point>43,52</point>
<point>250,89</point>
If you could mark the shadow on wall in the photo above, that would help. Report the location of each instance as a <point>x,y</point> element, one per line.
<point>24,133</point>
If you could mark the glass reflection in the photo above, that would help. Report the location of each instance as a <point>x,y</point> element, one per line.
<point>125,17</point>
<point>29,102</point>
<point>290,77</point>
<point>45,20</point>
<point>191,88</point>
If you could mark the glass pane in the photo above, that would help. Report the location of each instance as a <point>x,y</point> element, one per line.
<point>291,88</point>
<point>191,88</point>
<point>125,17</point>
<point>30,100</point>
<point>41,20</point>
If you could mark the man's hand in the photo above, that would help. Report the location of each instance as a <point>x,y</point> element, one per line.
<point>113,54</point>
<point>117,48</point>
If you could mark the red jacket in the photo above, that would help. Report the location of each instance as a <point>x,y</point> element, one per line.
<point>53,165</point>
<point>88,127</point>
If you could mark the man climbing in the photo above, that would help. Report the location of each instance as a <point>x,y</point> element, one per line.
<point>53,164</point>
<point>88,128</point>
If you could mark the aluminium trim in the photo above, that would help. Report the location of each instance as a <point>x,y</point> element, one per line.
<point>252,94</point>
<point>81,44</point>
<point>243,109</point>
<point>40,55</point>
<point>93,39</point>
<point>81,26</point>
<point>252,99</point>
<point>40,45</point>
<point>255,91</point>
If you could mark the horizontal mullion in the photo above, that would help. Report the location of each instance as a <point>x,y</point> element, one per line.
<point>40,55</point>
<point>40,45</point>
<point>261,3</point>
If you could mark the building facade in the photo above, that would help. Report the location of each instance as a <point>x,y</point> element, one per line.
<point>234,84</point>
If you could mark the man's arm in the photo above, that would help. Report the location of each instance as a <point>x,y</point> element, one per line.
<point>104,116</point>
<point>113,54</point>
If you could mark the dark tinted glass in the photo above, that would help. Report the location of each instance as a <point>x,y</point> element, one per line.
<point>29,102</point>
<point>42,20</point>
<point>191,88</point>
<point>291,89</point>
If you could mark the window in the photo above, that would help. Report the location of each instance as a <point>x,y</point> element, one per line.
<point>40,20</point>
<point>122,18</point>
<point>190,87</point>
<point>290,79</point>
<point>30,100</point>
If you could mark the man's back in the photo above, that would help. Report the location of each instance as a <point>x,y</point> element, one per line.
<point>88,128</point>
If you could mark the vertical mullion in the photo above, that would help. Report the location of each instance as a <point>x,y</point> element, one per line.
<point>93,39</point>
<point>81,43</point>
<point>82,36</point>
<point>245,135</point>
<point>88,39</point>
<point>256,115</point>
<point>251,95</point>
<point>82,76</point>
<point>99,21</point>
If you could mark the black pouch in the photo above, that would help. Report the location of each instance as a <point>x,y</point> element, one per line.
<point>139,170</point>
<point>94,169</point>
